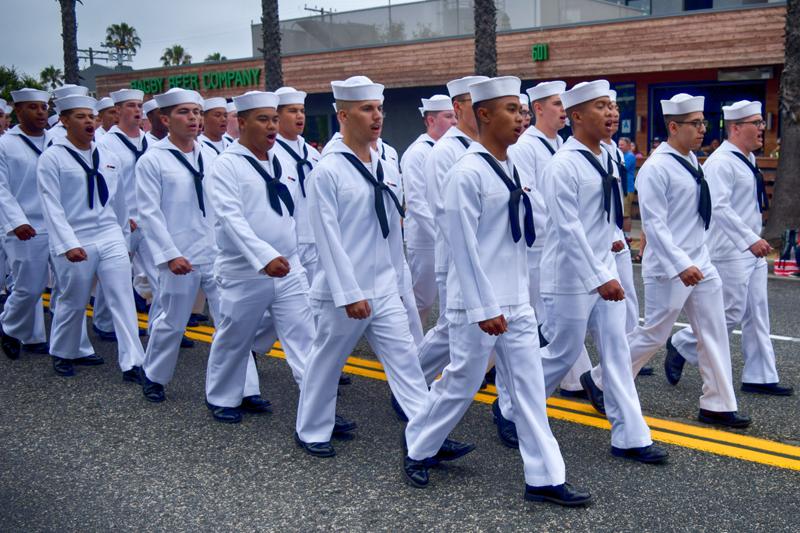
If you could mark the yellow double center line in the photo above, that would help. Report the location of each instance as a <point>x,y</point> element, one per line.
<point>714,441</point>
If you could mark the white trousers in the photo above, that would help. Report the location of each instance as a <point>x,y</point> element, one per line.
<point>663,300</point>
<point>143,264</point>
<point>4,268</point>
<point>572,379</point>
<point>625,272</point>
<point>421,263</point>
<point>309,258</point>
<point>434,351</point>
<point>570,316</point>
<point>387,332</point>
<point>109,262</point>
<point>744,291</point>
<point>23,314</point>
<point>241,310</point>
<point>518,362</point>
<point>410,305</point>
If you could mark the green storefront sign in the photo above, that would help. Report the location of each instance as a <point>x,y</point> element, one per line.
<point>539,52</point>
<point>200,81</point>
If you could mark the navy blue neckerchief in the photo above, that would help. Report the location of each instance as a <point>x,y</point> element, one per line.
<point>547,145</point>
<point>704,206</point>
<point>196,174</point>
<point>380,188</point>
<point>609,186</point>
<point>761,190</point>
<point>211,145</point>
<point>31,145</point>
<point>93,176</point>
<point>301,163</point>
<point>277,191</point>
<point>516,194</point>
<point>129,145</point>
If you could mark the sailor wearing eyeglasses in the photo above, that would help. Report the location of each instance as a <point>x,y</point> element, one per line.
<point>676,207</point>
<point>738,251</point>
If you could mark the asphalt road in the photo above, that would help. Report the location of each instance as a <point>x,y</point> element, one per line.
<point>89,453</point>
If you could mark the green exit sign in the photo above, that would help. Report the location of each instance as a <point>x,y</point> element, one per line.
<point>539,52</point>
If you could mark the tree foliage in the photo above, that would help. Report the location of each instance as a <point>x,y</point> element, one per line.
<point>175,55</point>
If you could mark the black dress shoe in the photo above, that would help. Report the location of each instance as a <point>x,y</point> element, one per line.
<point>186,342</point>
<point>226,415</point>
<point>646,371</point>
<point>491,376</point>
<point>63,367</point>
<point>10,345</point>
<point>573,393</point>
<point>344,379</point>
<point>772,389</point>
<point>595,394</point>
<point>256,404</point>
<point>89,360</point>
<point>398,411</point>
<point>41,348</point>
<point>451,450</point>
<point>317,449</point>
<point>729,419</point>
<point>108,336</point>
<point>673,364</point>
<point>153,392</point>
<point>343,426</point>
<point>134,375</point>
<point>564,494</point>
<point>646,454</point>
<point>506,429</point>
<point>415,473</point>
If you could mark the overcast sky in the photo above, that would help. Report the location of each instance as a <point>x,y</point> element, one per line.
<point>30,30</point>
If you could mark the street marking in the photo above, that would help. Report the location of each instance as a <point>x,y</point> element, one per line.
<point>725,443</point>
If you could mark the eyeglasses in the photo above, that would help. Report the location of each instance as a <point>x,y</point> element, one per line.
<point>525,113</point>
<point>697,124</point>
<point>756,123</point>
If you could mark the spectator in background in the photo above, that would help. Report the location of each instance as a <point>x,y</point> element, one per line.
<point>626,147</point>
<point>656,142</point>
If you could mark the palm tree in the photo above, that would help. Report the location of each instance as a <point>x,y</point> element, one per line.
<point>271,42</point>
<point>175,55</point>
<point>69,28</point>
<point>783,212</point>
<point>11,80</point>
<point>123,38</point>
<point>216,56</point>
<point>485,14</point>
<point>52,77</point>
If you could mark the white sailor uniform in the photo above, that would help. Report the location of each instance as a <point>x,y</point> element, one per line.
<point>735,226</point>
<point>669,196</point>
<point>129,150</point>
<point>23,315</point>
<point>253,224</point>
<point>361,258</point>
<point>489,277</point>
<point>84,207</point>
<point>419,227</point>
<point>577,260</point>
<point>300,158</point>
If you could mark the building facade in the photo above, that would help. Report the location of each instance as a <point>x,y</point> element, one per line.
<point>724,53</point>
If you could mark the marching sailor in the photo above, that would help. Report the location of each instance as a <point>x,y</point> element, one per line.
<point>354,195</point>
<point>531,153</point>
<point>737,252</point>
<point>489,223</point>
<point>58,130</point>
<point>420,230</point>
<point>23,228</point>
<point>257,268</point>
<point>580,287</point>
<point>676,206</point>
<point>84,211</point>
